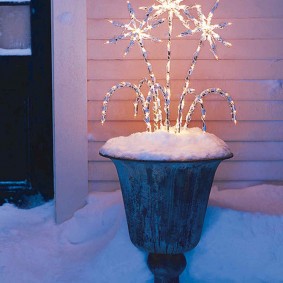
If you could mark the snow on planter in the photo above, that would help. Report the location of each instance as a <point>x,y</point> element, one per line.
<point>189,144</point>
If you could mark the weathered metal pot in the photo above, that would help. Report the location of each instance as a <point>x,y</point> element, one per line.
<point>165,203</point>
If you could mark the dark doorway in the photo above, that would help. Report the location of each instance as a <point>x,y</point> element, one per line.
<point>26,161</point>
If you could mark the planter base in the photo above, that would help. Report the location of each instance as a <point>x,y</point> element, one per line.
<point>166,268</point>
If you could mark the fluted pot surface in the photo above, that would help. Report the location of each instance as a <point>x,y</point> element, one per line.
<point>165,201</point>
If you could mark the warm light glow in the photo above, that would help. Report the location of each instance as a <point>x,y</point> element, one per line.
<point>138,31</point>
<point>204,26</point>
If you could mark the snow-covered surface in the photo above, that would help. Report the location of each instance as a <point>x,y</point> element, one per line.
<point>190,144</point>
<point>257,198</point>
<point>94,246</point>
<point>15,52</point>
<point>15,1</point>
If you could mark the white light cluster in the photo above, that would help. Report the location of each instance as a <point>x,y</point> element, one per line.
<point>173,6</point>
<point>139,30</point>
<point>204,26</point>
<point>136,30</point>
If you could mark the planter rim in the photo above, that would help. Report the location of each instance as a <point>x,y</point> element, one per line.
<point>228,156</point>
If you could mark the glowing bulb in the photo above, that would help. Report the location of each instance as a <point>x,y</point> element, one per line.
<point>169,6</point>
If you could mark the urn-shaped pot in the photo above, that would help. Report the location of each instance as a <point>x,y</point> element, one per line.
<point>165,202</point>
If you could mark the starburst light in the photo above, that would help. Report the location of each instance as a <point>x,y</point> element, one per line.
<point>173,6</point>
<point>136,30</point>
<point>203,25</point>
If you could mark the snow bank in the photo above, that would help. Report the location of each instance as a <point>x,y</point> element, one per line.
<point>264,198</point>
<point>190,144</point>
<point>94,246</point>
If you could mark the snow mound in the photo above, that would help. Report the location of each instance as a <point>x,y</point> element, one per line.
<point>269,199</point>
<point>190,144</point>
<point>94,246</point>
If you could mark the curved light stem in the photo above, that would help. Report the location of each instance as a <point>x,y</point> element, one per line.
<point>168,66</point>
<point>156,101</point>
<point>166,97</point>
<point>186,89</point>
<point>140,98</point>
<point>199,99</point>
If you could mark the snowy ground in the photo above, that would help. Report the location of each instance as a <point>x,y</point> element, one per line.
<point>94,246</point>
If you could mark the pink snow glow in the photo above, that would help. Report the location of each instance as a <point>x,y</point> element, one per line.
<point>190,144</point>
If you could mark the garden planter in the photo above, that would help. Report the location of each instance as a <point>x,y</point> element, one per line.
<point>165,201</point>
<point>165,204</point>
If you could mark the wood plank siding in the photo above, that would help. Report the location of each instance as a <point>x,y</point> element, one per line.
<point>251,71</point>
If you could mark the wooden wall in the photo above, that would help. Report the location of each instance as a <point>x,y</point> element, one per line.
<point>251,71</point>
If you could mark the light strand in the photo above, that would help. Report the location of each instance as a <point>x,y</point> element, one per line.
<point>138,31</point>
<point>199,100</point>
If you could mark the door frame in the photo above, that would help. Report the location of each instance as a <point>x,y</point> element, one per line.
<point>69,59</point>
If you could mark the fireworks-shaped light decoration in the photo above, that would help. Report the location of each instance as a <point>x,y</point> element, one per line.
<point>171,7</point>
<point>139,30</point>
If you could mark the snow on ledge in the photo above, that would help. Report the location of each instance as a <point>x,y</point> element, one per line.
<point>190,144</point>
<point>265,198</point>
<point>14,1</point>
<point>15,52</point>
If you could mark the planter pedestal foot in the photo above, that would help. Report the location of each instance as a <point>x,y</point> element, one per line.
<point>165,267</point>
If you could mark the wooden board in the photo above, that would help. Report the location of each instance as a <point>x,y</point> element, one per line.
<point>243,131</point>
<point>125,70</point>
<point>248,110</point>
<point>251,151</point>
<point>249,28</point>
<point>227,171</point>
<point>239,89</point>
<point>246,49</point>
<point>98,9</point>
<point>251,71</point>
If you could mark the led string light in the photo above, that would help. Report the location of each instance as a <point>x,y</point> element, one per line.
<point>140,98</point>
<point>204,26</point>
<point>172,7</point>
<point>137,31</point>
<point>199,100</point>
<point>164,6</point>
